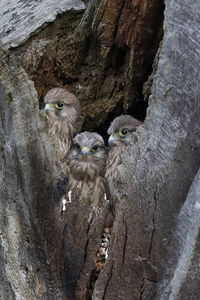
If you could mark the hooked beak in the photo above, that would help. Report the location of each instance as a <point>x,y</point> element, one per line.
<point>85,150</point>
<point>112,139</point>
<point>49,107</point>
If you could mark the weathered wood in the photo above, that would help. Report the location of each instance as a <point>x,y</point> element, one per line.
<point>28,169</point>
<point>156,172</point>
<point>104,58</point>
<point>181,278</point>
<point>44,249</point>
<point>20,19</point>
<point>36,241</point>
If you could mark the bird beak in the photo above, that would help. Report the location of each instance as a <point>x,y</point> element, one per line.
<point>85,150</point>
<point>49,107</point>
<point>112,139</point>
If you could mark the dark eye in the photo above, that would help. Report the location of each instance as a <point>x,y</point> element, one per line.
<point>77,146</point>
<point>59,105</point>
<point>123,132</point>
<point>95,148</point>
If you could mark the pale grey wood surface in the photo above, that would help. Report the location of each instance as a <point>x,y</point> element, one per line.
<point>155,227</point>
<point>156,173</point>
<point>19,19</point>
<point>29,170</point>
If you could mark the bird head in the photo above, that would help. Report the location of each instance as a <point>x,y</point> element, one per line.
<point>60,104</point>
<point>89,147</point>
<point>121,130</point>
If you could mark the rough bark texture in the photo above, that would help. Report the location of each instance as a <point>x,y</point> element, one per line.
<point>158,175</point>
<point>22,18</point>
<point>105,59</point>
<point>43,250</point>
<point>155,235</point>
<point>28,174</point>
<point>182,280</point>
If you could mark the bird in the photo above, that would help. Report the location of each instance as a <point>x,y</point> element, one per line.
<point>85,210</point>
<point>63,110</point>
<point>120,135</point>
<point>87,159</point>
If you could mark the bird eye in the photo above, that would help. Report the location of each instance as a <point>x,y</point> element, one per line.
<point>123,132</point>
<point>60,105</point>
<point>77,146</point>
<point>94,148</point>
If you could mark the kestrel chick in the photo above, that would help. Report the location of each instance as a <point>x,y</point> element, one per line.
<point>63,110</point>
<point>87,159</point>
<point>121,134</point>
<point>121,130</point>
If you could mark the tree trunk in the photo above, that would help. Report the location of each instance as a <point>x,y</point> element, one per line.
<point>25,175</point>
<point>105,58</point>
<point>154,246</point>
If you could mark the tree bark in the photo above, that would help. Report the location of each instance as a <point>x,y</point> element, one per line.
<point>156,171</point>
<point>181,279</point>
<point>105,57</point>
<point>21,20</point>
<point>28,174</point>
<point>154,245</point>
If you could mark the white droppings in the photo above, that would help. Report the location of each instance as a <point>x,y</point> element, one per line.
<point>70,196</point>
<point>66,201</point>
<point>106,253</point>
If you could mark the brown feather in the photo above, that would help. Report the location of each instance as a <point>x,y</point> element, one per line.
<point>63,123</point>
<point>123,121</point>
<point>87,173</point>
